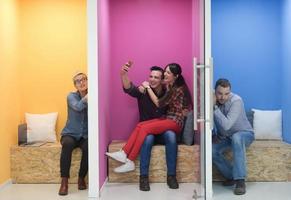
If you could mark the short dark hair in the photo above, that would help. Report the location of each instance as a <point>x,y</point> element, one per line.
<point>223,83</point>
<point>156,68</point>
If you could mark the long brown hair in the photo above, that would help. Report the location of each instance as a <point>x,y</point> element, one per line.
<point>179,82</point>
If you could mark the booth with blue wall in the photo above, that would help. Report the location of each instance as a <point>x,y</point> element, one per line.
<point>251,46</point>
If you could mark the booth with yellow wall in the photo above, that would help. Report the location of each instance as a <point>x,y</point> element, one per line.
<point>43,43</point>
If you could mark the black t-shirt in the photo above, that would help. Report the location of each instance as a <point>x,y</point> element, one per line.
<point>147,109</point>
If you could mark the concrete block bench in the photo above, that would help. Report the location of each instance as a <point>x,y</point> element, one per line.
<point>41,164</point>
<point>267,160</point>
<point>188,165</point>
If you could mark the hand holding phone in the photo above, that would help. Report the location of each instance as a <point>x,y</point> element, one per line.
<point>129,63</point>
<point>125,67</point>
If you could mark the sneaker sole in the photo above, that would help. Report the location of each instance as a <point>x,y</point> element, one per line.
<point>124,171</point>
<point>122,161</point>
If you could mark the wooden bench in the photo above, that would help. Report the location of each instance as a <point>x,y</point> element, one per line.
<point>188,165</point>
<point>266,161</point>
<point>41,164</point>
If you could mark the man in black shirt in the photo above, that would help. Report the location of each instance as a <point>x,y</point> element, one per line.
<point>147,111</point>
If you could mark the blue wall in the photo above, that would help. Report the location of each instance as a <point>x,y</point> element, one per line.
<point>246,47</point>
<point>286,89</point>
<point>251,46</point>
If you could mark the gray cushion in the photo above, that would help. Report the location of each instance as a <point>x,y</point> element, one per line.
<point>187,136</point>
<point>250,116</point>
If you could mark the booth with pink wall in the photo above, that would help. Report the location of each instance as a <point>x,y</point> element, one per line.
<point>148,33</point>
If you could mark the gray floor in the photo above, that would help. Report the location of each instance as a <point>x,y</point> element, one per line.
<point>159,191</point>
<point>255,191</point>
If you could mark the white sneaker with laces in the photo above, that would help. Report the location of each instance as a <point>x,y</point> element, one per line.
<point>118,155</point>
<point>127,167</point>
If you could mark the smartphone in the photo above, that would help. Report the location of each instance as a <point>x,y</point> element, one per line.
<point>129,63</point>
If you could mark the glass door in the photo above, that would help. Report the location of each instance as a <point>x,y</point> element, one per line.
<point>202,92</point>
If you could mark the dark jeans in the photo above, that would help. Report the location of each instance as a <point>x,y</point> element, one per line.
<point>169,140</point>
<point>69,143</point>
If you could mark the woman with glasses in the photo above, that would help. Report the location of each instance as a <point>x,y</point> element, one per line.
<point>75,133</point>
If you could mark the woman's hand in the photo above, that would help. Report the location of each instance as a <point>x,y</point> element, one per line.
<point>152,95</point>
<point>145,84</point>
<point>141,89</point>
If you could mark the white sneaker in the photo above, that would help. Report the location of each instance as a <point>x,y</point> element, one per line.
<point>118,155</point>
<point>127,167</point>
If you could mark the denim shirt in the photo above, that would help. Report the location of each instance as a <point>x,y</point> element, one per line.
<point>77,122</point>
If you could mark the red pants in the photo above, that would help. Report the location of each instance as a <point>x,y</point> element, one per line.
<point>154,126</point>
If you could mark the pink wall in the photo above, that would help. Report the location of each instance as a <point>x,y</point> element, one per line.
<point>104,84</point>
<point>149,33</point>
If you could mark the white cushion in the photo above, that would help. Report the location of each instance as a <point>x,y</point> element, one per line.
<point>41,127</point>
<point>268,124</point>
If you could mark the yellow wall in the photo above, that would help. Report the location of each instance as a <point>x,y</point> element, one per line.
<point>42,43</point>
<point>52,47</point>
<point>9,80</point>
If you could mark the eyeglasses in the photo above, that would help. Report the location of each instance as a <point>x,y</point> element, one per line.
<point>79,81</point>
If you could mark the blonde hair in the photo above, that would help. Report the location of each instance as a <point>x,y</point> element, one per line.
<point>77,74</point>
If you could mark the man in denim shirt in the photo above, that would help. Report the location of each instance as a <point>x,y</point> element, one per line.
<point>147,111</point>
<point>233,132</point>
<point>75,133</point>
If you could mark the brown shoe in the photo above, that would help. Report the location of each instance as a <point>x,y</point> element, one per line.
<point>64,186</point>
<point>81,184</point>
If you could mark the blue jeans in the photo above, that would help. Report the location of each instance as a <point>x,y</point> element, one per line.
<point>169,139</point>
<point>237,143</point>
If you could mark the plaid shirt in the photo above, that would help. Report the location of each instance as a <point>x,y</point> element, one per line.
<point>176,106</point>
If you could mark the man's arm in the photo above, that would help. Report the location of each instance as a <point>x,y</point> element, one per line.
<point>226,122</point>
<point>75,103</point>
<point>133,91</point>
<point>127,85</point>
